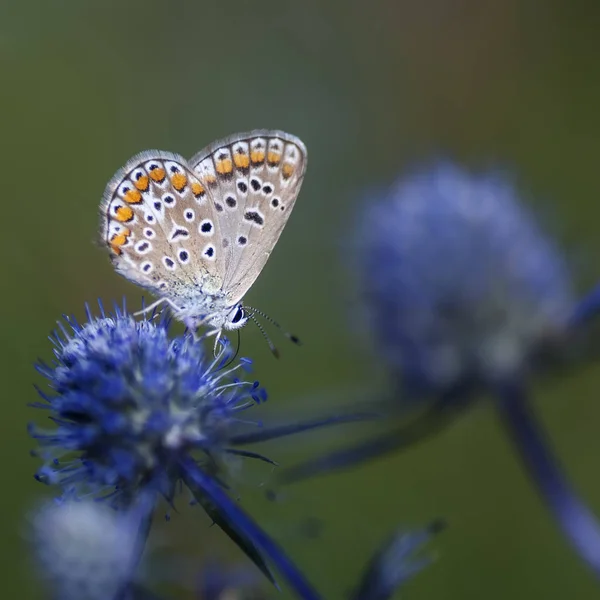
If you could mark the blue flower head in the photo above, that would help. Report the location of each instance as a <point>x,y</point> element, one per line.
<point>129,403</point>
<point>84,550</point>
<point>459,281</point>
<point>138,415</point>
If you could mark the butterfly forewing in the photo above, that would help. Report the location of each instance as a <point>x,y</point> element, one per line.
<point>159,223</point>
<point>254,179</point>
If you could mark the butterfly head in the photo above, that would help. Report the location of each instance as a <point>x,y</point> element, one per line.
<point>236,318</point>
<point>230,318</point>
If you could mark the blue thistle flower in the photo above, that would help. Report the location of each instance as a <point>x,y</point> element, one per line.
<point>130,402</point>
<point>464,292</point>
<point>138,413</point>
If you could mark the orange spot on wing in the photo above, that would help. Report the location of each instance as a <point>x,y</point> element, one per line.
<point>197,189</point>
<point>133,197</point>
<point>224,167</point>
<point>210,179</point>
<point>124,214</point>
<point>273,158</point>
<point>242,161</point>
<point>120,238</point>
<point>158,174</point>
<point>257,156</point>
<point>179,181</point>
<point>142,183</point>
<point>287,170</point>
<point>116,250</point>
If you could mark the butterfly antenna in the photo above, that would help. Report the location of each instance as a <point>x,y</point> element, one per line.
<point>272,346</point>
<point>290,336</point>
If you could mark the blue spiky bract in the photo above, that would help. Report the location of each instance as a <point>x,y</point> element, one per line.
<point>395,563</point>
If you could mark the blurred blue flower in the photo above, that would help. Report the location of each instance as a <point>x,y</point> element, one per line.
<point>137,413</point>
<point>459,282</point>
<point>461,290</point>
<point>86,550</point>
<point>464,292</point>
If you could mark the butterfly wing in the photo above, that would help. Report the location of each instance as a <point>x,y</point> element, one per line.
<point>159,224</point>
<point>255,179</point>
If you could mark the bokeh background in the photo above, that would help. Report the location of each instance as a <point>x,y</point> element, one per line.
<point>371,87</point>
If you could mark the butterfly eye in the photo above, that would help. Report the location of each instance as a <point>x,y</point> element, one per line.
<point>236,318</point>
<point>239,315</point>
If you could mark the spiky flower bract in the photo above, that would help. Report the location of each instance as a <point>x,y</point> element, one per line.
<point>395,563</point>
<point>137,413</point>
<point>459,281</point>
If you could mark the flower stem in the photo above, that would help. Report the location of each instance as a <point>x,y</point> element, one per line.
<point>143,509</point>
<point>575,520</point>
<point>248,528</point>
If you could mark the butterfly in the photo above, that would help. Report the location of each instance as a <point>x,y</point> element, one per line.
<point>197,233</point>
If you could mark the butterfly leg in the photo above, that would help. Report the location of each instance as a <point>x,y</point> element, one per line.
<point>193,324</point>
<point>217,333</point>
<point>200,337</point>
<point>204,336</point>
<point>152,306</point>
<point>149,308</point>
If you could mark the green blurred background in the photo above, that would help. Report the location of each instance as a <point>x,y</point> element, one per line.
<point>370,87</point>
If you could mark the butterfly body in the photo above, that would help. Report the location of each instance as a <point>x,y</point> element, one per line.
<point>198,233</point>
<point>199,309</point>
